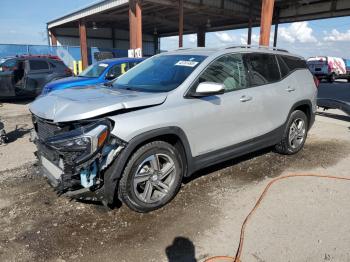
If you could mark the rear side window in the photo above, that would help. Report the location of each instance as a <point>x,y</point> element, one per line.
<point>294,63</point>
<point>38,65</point>
<point>228,70</point>
<point>283,67</point>
<point>262,68</point>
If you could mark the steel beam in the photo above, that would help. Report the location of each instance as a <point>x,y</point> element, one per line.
<point>53,38</point>
<point>181,22</point>
<point>201,37</point>
<point>83,44</point>
<point>266,21</point>
<point>132,24</point>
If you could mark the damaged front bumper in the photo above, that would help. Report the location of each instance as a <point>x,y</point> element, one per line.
<point>75,159</point>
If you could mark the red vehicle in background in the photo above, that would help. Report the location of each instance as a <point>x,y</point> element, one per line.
<point>25,76</point>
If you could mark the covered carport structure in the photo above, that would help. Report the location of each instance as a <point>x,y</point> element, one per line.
<point>138,24</point>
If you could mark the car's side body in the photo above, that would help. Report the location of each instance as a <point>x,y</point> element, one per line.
<point>263,88</point>
<point>25,76</point>
<point>116,65</point>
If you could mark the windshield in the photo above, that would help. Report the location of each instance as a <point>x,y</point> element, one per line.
<point>160,73</point>
<point>94,71</point>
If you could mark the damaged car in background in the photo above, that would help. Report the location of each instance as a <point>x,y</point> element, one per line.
<point>168,117</point>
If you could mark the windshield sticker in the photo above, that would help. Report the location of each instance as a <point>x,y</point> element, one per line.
<point>187,63</point>
<point>103,65</point>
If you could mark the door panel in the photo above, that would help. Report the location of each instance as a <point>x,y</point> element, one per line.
<point>228,119</point>
<point>6,84</point>
<point>38,73</point>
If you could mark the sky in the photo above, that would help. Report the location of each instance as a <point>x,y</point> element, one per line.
<point>24,22</point>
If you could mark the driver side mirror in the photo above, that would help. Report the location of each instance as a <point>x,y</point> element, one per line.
<point>209,89</point>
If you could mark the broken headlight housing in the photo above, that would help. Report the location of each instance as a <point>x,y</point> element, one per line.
<point>84,141</point>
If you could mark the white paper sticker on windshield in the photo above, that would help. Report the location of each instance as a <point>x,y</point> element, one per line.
<point>103,65</point>
<point>186,63</point>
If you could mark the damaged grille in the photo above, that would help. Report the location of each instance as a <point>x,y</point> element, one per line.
<point>45,129</point>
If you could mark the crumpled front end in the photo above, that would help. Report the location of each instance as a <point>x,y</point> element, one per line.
<point>75,155</point>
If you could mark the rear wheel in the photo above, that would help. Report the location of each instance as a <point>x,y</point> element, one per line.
<point>295,134</point>
<point>152,177</point>
<point>331,78</point>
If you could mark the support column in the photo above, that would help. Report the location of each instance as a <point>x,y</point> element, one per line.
<point>132,24</point>
<point>155,43</point>
<point>275,35</point>
<point>83,44</point>
<point>201,37</point>
<point>181,22</point>
<point>53,38</point>
<point>266,21</point>
<point>250,22</point>
<point>113,37</point>
<point>139,25</point>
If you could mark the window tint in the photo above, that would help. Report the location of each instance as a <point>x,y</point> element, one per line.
<point>38,65</point>
<point>283,67</point>
<point>132,64</point>
<point>294,63</point>
<point>117,70</point>
<point>228,70</point>
<point>262,68</point>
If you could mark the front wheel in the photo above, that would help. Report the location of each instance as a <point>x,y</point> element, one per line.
<point>295,134</point>
<point>152,177</point>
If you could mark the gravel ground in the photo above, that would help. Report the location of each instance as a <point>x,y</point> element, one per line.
<point>301,219</point>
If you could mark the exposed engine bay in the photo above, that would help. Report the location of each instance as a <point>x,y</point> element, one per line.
<point>75,155</point>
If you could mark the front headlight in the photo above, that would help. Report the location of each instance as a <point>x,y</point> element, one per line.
<point>85,140</point>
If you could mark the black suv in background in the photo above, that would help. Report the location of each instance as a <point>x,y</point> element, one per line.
<point>25,76</point>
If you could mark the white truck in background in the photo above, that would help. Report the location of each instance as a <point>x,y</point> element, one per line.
<point>329,68</point>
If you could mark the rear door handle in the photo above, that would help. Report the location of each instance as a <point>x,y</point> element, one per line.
<point>245,98</point>
<point>290,89</point>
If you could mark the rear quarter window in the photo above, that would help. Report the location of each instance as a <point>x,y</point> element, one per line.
<point>263,68</point>
<point>294,63</point>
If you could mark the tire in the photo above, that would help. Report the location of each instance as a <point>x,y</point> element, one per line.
<point>292,142</point>
<point>152,177</point>
<point>331,78</point>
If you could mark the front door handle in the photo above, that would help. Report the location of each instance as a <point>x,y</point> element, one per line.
<point>245,98</point>
<point>290,89</point>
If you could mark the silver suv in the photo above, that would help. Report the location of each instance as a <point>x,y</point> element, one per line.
<point>171,115</point>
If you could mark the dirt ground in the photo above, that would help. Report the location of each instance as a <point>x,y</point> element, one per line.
<point>301,219</point>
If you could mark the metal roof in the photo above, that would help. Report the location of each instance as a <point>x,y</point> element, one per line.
<point>94,8</point>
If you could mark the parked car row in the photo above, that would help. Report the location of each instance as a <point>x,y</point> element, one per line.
<point>30,76</point>
<point>168,117</point>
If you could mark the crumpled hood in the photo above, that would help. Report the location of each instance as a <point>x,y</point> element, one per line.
<point>83,103</point>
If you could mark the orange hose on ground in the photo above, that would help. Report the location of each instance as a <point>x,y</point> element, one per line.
<point>257,204</point>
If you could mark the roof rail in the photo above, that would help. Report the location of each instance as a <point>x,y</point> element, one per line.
<point>257,47</point>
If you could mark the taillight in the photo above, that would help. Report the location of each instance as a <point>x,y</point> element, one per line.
<point>317,81</point>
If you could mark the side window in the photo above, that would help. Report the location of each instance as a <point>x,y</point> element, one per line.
<point>262,68</point>
<point>9,64</point>
<point>132,64</point>
<point>38,65</point>
<point>283,67</point>
<point>228,70</point>
<point>294,63</point>
<point>115,71</point>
